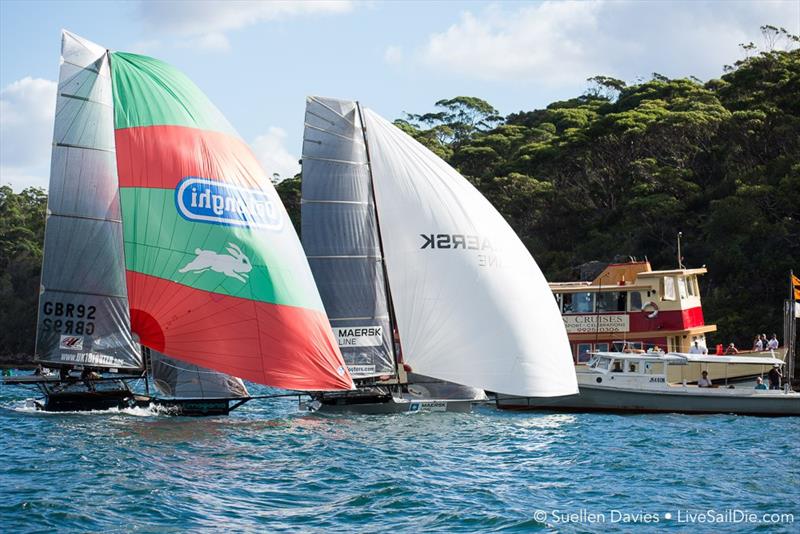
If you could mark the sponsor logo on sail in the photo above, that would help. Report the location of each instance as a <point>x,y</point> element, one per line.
<point>236,265</point>
<point>71,343</point>
<point>359,336</point>
<point>214,202</point>
<point>488,254</point>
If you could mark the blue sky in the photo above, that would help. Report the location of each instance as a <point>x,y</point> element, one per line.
<point>258,60</point>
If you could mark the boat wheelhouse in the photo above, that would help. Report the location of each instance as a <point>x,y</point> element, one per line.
<point>632,302</point>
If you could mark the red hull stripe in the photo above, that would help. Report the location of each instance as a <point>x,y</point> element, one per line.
<point>282,346</point>
<point>160,156</point>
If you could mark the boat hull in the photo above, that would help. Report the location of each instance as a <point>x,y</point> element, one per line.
<point>376,404</point>
<point>87,401</point>
<point>682,400</point>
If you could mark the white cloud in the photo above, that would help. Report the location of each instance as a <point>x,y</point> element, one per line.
<point>563,43</point>
<point>270,149</point>
<point>27,109</point>
<point>205,23</point>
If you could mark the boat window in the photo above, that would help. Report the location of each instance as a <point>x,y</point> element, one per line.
<point>682,286</point>
<point>635,345</point>
<point>601,347</point>
<point>635,301</point>
<point>578,302</point>
<point>611,301</point>
<point>602,363</point>
<point>633,366</point>
<point>690,284</point>
<point>668,288</point>
<point>654,368</point>
<point>616,367</point>
<point>582,352</point>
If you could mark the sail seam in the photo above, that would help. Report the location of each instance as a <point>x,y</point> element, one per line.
<point>366,257</point>
<point>86,293</point>
<point>83,67</point>
<point>366,317</point>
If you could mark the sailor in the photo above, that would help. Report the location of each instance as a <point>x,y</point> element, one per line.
<point>39,370</point>
<point>758,345</point>
<point>704,381</point>
<point>775,376</point>
<point>760,383</point>
<point>731,349</point>
<point>63,374</point>
<point>88,376</point>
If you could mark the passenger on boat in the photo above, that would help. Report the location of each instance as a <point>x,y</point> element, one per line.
<point>758,345</point>
<point>88,376</point>
<point>63,373</point>
<point>760,383</point>
<point>731,349</point>
<point>773,343</point>
<point>704,381</point>
<point>617,367</point>
<point>697,349</point>
<point>775,376</point>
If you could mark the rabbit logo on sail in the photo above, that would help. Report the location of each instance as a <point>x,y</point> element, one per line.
<point>215,202</point>
<point>236,265</point>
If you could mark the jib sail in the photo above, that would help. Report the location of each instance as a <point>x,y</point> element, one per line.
<point>177,379</point>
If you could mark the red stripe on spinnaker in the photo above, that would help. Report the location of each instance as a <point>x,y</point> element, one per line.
<point>282,346</point>
<point>160,156</point>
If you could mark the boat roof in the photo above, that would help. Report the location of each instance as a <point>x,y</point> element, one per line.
<point>682,357</point>
<point>729,359</point>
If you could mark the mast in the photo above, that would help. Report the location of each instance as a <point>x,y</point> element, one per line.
<point>388,291</point>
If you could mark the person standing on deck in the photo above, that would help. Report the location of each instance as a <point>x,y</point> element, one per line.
<point>758,345</point>
<point>774,376</point>
<point>697,349</point>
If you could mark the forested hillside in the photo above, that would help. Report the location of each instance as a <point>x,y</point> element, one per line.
<point>615,172</point>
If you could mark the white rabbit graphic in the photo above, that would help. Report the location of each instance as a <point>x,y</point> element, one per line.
<point>237,265</point>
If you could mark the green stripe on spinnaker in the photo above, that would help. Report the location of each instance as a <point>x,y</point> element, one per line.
<point>149,92</point>
<point>161,243</point>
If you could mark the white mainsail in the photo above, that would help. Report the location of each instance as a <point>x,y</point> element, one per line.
<point>472,306</point>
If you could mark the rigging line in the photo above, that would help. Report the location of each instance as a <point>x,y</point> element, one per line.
<point>331,160</point>
<point>329,109</point>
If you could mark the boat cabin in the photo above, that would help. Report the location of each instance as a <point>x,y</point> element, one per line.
<point>631,301</point>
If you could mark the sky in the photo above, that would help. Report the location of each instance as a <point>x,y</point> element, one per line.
<point>257,61</point>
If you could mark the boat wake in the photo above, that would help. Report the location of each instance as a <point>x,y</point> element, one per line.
<point>29,406</point>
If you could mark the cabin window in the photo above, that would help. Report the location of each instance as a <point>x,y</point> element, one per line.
<point>582,352</point>
<point>654,368</point>
<point>633,367</point>
<point>682,286</point>
<point>578,302</point>
<point>611,301</point>
<point>635,301</point>
<point>690,285</point>
<point>601,347</point>
<point>635,345</point>
<point>668,288</point>
<point>616,367</point>
<point>602,363</point>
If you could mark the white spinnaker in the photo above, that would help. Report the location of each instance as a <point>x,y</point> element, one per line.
<point>480,314</point>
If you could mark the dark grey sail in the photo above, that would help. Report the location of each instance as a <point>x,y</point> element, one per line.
<point>340,236</point>
<point>83,305</point>
<point>177,379</point>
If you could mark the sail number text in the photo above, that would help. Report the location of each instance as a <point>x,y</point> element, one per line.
<point>68,318</point>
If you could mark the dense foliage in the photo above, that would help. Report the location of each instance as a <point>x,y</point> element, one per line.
<point>612,173</point>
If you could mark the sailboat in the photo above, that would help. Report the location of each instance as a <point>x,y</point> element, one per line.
<point>164,232</point>
<point>428,289</point>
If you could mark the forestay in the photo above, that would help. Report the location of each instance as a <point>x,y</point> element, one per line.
<point>83,305</point>
<point>340,235</point>
<point>472,306</point>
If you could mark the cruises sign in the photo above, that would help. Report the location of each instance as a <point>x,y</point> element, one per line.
<point>590,324</point>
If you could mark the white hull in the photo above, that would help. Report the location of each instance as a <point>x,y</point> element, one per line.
<point>689,399</point>
<point>385,404</point>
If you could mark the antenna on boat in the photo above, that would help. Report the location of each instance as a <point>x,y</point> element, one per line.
<point>680,260</point>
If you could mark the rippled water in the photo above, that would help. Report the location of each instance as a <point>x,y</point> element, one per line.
<point>268,467</point>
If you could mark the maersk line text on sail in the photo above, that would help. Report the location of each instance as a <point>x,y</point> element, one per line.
<point>487,258</point>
